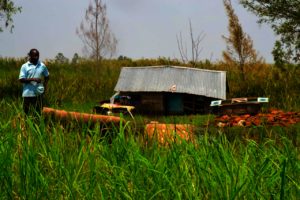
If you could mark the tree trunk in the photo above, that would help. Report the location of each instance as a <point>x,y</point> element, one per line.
<point>287,81</point>
<point>97,45</point>
<point>97,66</point>
<point>243,80</point>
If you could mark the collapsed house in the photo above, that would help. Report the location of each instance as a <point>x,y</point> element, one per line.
<point>171,90</point>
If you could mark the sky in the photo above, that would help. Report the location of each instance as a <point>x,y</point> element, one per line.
<point>144,28</point>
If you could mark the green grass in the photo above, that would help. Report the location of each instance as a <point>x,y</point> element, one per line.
<point>76,84</point>
<point>49,161</point>
<point>74,161</point>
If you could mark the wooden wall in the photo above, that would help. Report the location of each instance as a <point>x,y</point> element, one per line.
<point>154,103</point>
<point>150,102</point>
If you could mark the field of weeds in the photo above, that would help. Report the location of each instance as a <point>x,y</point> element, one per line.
<point>75,84</point>
<point>41,159</point>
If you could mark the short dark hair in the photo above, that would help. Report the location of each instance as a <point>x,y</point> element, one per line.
<point>31,51</point>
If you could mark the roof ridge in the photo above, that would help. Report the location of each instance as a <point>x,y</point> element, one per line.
<point>171,66</point>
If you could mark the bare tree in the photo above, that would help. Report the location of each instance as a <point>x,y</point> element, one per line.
<point>195,47</point>
<point>98,39</point>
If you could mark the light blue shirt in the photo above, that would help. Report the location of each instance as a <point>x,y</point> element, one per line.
<point>29,70</point>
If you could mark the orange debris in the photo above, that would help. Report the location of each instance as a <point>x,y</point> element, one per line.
<point>166,133</point>
<point>273,118</point>
<point>82,116</point>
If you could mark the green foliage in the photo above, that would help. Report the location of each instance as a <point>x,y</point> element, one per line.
<point>60,58</point>
<point>122,57</point>
<point>283,61</point>
<point>75,58</point>
<point>283,16</point>
<point>76,84</point>
<point>280,56</point>
<point>44,160</point>
<point>7,9</point>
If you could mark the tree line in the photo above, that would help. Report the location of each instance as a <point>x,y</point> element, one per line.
<point>99,41</point>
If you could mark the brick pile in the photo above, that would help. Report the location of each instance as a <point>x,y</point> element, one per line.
<point>272,118</point>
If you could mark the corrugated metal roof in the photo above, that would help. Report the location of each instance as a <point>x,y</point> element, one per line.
<point>161,79</point>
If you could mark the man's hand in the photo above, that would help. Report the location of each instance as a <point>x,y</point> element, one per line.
<point>38,80</point>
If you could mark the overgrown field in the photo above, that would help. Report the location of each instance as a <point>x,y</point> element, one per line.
<point>75,84</point>
<point>42,159</point>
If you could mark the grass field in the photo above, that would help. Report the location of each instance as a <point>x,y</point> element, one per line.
<point>45,160</point>
<point>48,161</point>
<point>75,84</point>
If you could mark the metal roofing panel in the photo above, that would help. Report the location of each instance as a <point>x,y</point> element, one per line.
<point>161,78</point>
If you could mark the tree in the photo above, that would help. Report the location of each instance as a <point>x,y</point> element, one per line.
<point>7,8</point>
<point>283,16</point>
<point>98,39</point>
<point>122,57</point>
<point>195,47</point>
<point>60,58</point>
<point>283,61</point>
<point>75,58</point>
<point>239,45</point>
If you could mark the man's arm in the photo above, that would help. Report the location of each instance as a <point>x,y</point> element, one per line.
<point>28,80</point>
<point>23,76</point>
<point>46,82</point>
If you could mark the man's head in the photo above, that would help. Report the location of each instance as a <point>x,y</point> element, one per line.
<point>34,55</point>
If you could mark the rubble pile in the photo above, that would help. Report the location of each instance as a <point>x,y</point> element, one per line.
<point>272,118</point>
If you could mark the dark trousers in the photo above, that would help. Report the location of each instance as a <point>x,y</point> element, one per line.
<point>32,104</point>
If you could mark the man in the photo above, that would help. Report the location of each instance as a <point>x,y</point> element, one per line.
<point>33,87</point>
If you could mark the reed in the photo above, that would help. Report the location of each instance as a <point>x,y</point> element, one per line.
<point>44,160</point>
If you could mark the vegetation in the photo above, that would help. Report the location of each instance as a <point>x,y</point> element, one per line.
<point>240,49</point>
<point>60,58</point>
<point>7,9</point>
<point>98,39</point>
<point>283,16</point>
<point>75,59</point>
<point>68,86</point>
<point>195,47</point>
<point>47,160</point>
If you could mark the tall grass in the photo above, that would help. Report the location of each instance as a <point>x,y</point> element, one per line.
<point>47,161</point>
<point>44,160</point>
<point>75,84</point>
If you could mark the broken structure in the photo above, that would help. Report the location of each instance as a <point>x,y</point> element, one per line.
<point>171,90</point>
